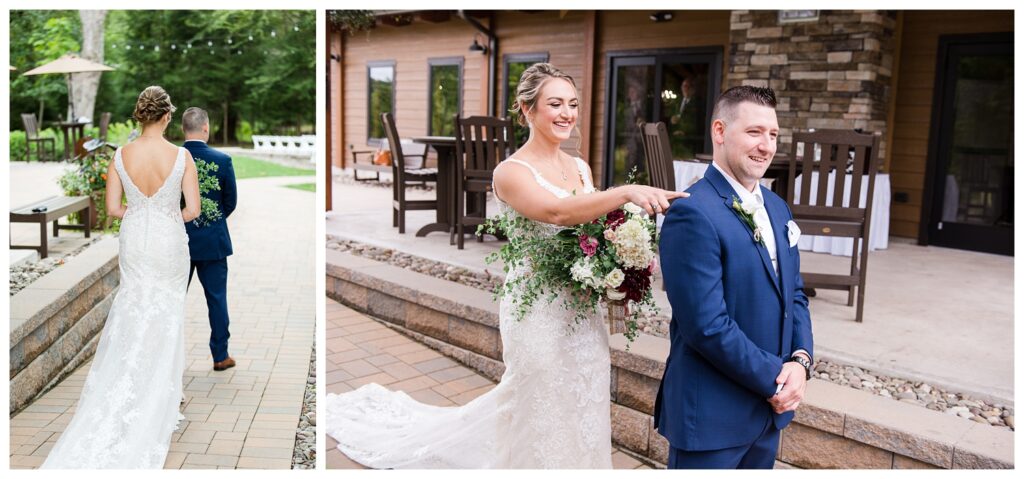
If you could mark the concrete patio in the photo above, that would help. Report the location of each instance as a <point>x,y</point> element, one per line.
<point>938,315</point>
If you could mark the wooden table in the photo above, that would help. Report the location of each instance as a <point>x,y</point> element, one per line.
<point>73,131</point>
<point>55,208</point>
<point>445,148</point>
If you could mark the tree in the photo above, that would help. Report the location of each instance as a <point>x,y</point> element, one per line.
<point>85,85</point>
<point>252,68</point>
<point>38,37</point>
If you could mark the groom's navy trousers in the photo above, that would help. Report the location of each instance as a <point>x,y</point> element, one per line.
<point>213,275</point>
<point>758,455</point>
<point>735,321</point>
<point>210,245</point>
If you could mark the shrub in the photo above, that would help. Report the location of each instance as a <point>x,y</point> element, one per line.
<point>18,140</point>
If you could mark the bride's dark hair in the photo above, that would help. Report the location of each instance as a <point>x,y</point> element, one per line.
<point>152,105</point>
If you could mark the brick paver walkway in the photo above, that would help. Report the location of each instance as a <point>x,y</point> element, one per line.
<point>244,417</point>
<point>360,350</point>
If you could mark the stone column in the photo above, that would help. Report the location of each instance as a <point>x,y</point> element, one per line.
<point>833,72</point>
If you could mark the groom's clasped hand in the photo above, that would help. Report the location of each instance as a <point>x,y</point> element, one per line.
<point>792,383</point>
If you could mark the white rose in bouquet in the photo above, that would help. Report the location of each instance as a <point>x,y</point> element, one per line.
<point>583,272</point>
<point>614,278</point>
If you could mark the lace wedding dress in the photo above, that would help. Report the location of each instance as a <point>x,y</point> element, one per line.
<point>129,404</point>
<point>550,410</point>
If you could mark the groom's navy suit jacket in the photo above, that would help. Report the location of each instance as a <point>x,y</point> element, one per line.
<point>212,241</point>
<point>734,321</point>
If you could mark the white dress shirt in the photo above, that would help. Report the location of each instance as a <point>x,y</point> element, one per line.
<point>760,216</point>
<point>761,220</point>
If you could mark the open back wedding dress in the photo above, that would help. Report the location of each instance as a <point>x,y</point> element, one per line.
<point>129,404</point>
<point>550,410</point>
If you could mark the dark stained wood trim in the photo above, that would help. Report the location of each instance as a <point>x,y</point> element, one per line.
<point>942,78</point>
<point>369,97</point>
<point>329,140</point>
<point>589,76</point>
<point>894,81</point>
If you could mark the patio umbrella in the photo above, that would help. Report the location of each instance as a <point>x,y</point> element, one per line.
<point>68,65</point>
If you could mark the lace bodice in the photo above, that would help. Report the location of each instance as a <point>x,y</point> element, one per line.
<point>166,200</point>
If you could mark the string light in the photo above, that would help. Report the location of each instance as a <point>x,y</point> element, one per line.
<point>209,43</point>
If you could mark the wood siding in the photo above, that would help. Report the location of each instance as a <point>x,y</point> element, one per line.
<point>409,47</point>
<point>561,37</point>
<point>915,88</point>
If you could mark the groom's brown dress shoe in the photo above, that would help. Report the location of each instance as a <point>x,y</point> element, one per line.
<point>229,362</point>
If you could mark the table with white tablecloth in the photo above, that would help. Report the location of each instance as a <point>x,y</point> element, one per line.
<point>689,172</point>
<point>879,214</point>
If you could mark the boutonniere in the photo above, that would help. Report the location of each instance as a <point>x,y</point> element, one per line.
<point>746,212</point>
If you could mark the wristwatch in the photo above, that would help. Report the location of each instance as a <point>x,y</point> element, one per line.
<point>805,363</point>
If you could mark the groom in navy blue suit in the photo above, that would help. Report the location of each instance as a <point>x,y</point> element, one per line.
<point>210,244</point>
<point>741,343</point>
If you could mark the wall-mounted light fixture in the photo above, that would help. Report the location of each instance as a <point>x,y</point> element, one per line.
<point>476,47</point>
<point>658,17</point>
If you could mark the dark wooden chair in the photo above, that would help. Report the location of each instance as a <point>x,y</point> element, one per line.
<point>481,142</point>
<point>32,137</point>
<point>658,155</point>
<point>833,218</point>
<point>403,176</point>
<point>104,126</point>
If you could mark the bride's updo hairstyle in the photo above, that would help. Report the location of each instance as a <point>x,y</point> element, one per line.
<point>529,87</point>
<point>152,105</point>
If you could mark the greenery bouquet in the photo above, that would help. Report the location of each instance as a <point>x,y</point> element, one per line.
<point>610,259</point>
<point>209,211</point>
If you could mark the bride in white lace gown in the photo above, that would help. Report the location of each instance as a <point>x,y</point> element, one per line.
<point>129,404</point>
<point>551,407</point>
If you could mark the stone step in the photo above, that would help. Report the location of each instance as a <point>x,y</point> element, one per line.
<point>836,427</point>
<point>55,320</point>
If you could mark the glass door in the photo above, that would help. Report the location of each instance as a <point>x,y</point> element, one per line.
<point>677,88</point>
<point>633,93</point>
<point>972,204</point>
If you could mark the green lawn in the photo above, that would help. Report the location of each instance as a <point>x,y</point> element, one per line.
<point>311,187</point>
<point>246,167</point>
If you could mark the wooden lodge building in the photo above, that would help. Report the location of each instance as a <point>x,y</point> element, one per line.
<point>937,86</point>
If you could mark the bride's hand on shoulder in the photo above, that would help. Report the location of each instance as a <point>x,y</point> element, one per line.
<point>653,200</point>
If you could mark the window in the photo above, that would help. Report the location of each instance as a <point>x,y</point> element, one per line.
<point>515,65</point>
<point>380,97</point>
<point>445,96</point>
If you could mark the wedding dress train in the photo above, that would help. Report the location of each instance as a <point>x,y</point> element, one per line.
<point>129,404</point>
<point>550,409</point>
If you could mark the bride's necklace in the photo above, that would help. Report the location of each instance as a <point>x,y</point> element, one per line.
<point>561,168</point>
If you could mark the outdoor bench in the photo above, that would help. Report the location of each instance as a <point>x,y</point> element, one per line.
<point>48,210</point>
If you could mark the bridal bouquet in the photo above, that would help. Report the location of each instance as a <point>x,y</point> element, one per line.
<point>608,260</point>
